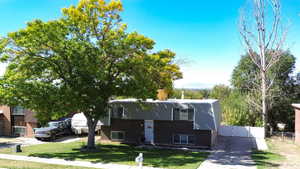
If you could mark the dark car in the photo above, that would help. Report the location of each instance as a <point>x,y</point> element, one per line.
<point>51,131</point>
<point>67,126</point>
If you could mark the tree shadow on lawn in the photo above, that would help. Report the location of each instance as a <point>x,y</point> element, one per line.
<point>125,154</point>
<point>266,159</point>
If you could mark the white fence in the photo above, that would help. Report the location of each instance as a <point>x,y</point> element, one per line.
<point>242,131</point>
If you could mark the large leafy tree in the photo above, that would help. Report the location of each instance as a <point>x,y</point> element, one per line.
<point>244,76</point>
<point>79,62</point>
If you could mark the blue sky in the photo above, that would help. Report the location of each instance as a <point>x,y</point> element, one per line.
<point>204,33</point>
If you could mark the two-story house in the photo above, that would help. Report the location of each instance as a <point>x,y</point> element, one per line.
<point>178,122</point>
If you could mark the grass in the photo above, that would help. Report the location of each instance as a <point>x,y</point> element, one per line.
<point>11,164</point>
<point>267,159</point>
<point>116,153</point>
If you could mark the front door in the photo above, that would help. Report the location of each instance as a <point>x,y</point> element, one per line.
<point>149,128</point>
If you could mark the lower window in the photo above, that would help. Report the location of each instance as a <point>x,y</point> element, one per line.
<point>117,135</point>
<point>19,130</point>
<point>183,139</point>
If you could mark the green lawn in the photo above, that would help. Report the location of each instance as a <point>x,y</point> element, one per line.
<point>11,164</point>
<point>116,153</point>
<point>267,159</point>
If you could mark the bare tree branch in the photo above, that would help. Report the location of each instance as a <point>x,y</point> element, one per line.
<point>264,47</point>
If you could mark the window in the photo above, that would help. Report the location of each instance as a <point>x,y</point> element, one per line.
<point>19,130</point>
<point>117,135</point>
<point>183,139</point>
<point>18,110</point>
<point>118,112</point>
<point>18,120</point>
<point>183,114</point>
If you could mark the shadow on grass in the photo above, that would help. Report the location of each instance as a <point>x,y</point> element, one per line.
<point>126,154</point>
<point>266,159</point>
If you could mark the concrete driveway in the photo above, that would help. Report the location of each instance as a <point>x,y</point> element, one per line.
<point>6,142</point>
<point>231,153</point>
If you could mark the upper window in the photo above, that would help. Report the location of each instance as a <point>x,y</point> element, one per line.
<point>18,110</point>
<point>118,112</point>
<point>183,114</point>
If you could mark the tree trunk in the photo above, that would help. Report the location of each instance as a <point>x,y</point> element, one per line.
<point>91,135</point>
<point>264,104</point>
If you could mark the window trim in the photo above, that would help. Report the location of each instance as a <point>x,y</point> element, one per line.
<point>180,143</point>
<point>180,109</point>
<point>111,132</point>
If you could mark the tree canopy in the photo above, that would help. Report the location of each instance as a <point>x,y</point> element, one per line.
<point>78,62</point>
<point>283,93</point>
<point>244,76</point>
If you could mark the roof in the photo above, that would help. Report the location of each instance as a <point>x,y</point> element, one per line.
<point>210,101</point>
<point>297,106</point>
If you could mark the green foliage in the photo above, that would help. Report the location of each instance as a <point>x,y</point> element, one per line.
<point>78,62</point>
<point>238,112</point>
<point>245,74</point>
<point>234,106</point>
<point>220,92</point>
<point>190,93</point>
<point>281,95</point>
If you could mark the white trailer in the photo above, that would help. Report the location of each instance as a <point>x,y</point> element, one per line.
<point>79,124</point>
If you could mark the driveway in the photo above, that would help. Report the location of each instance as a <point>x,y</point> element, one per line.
<point>231,153</point>
<point>6,142</point>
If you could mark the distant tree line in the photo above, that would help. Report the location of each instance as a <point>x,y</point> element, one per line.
<point>240,103</point>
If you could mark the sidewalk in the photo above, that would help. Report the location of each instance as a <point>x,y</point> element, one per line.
<point>70,163</point>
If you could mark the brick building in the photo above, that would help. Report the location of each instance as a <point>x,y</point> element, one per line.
<point>16,121</point>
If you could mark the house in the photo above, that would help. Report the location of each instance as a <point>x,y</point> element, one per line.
<point>177,122</point>
<point>297,122</point>
<point>17,121</point>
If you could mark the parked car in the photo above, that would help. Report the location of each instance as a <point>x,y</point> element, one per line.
<point>67,126</point>
<point>79,124</point>
<point>52,130</point>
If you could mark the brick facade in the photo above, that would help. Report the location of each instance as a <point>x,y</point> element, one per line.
<point>8,120</point>
<point>164,131</point>
<point>29,129</point>
<point>133,129</point>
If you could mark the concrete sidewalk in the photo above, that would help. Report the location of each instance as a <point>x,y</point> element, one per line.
<point>70,163</point>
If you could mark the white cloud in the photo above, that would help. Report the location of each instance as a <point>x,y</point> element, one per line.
<point>197,77</point>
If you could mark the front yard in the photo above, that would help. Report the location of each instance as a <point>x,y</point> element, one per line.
<point>281,154</point>
<point>116,153</point>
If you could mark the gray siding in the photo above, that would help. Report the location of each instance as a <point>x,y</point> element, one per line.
<point>206,115</point>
